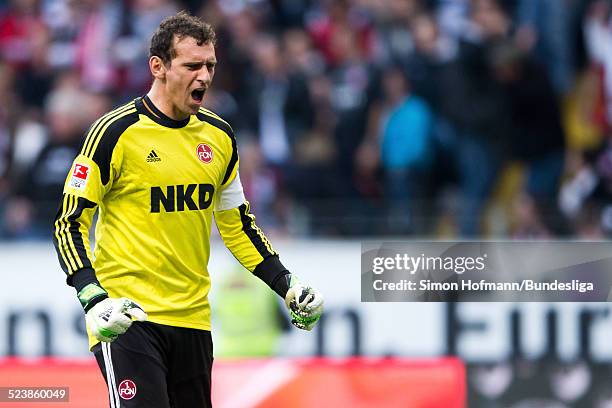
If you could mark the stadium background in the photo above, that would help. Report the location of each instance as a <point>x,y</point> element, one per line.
<point>356,119</point>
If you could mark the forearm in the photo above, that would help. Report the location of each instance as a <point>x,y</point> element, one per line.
<point>251,247</point>
<point>71,241</point>
<point>274,274</point>
<point>71,233</point>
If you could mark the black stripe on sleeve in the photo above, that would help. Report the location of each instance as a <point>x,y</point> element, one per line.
<point>57,227</point>
<point>225,127</point>
<point>253,232</point>
<point>75,233</point>
<point>61,234</point>
<point>232,162</point>
<point>66,232</point>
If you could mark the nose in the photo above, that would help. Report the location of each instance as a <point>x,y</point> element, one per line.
<point>204,76</point>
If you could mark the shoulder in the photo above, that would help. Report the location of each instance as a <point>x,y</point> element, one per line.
<point>212,118</point>
<point>215,120</point>
<point>104,134</point>
<point>417,103</point>
<point>105,131</point>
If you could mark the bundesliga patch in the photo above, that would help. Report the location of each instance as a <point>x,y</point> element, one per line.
<point>79,176</point>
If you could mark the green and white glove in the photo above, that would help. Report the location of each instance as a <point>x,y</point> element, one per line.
<point>110,317</point>
<point>305,304</point>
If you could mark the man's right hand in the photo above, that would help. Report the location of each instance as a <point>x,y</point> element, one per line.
<point>112,317</point>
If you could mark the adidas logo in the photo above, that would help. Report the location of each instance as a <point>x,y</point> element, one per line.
<point>153,157</point>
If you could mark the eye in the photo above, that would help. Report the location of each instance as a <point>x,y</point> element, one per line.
<point>193,66</point>
<point>210,66</point>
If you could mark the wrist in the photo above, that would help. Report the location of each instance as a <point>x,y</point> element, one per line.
<point>89,290</point>
<point>91,295</point>
<point>274,274</point>
<point>281,284</point>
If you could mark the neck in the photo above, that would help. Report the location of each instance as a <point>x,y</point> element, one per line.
<point>163,103</point>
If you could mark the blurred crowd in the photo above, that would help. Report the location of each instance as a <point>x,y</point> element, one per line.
<point>434,118</point>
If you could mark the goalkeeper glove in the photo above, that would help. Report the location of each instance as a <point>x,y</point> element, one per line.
<point>305,304</point>
<point>110,317</point>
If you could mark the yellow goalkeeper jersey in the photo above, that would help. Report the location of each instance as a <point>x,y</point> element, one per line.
<point>156,182</point>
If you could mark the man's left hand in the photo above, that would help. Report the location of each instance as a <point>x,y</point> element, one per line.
<point>305,305</point>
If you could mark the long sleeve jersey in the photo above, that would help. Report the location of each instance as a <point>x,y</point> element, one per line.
<point>156,183</point>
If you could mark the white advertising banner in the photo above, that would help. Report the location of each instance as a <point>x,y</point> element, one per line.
<point>39,313</point>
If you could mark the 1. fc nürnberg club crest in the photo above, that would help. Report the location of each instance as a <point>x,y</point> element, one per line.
<point>79,176</point>
<point>205,153</point>
<point>127,389</point>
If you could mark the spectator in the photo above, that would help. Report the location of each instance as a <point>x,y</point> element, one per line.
<point>301,57</point>
<point>339,15</point>
<point>586,197</point>
<point>30,213</point>
<point>315,161</point>
<point>475,104</point>
<point>432,52</point>
<point>21,31</point>
<point>406,154</point>
<point>131,47</point>
<point>537,137</point>
<point>545,28</point>
<point>97,32</point>
<point>394,39</point>
<point>269,90</point>
<point>598,38</point>
<point>304,81</point>
<point>6,142</point>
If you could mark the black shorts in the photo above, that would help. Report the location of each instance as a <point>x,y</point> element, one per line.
<point>157,366</point>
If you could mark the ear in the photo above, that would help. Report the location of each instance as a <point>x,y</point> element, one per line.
<point>157,67</point>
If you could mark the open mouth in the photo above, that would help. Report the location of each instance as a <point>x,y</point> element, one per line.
<point>198,95</point>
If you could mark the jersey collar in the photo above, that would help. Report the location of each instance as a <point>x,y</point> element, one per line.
<point>145,106</point>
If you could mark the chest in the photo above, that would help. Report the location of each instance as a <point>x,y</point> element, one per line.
<point>171,170</point>
<point>163,157</point>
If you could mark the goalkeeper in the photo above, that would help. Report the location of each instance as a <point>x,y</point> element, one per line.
<point>158,168</point>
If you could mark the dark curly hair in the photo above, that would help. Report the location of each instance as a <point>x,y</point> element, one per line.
<point>180,25</point>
